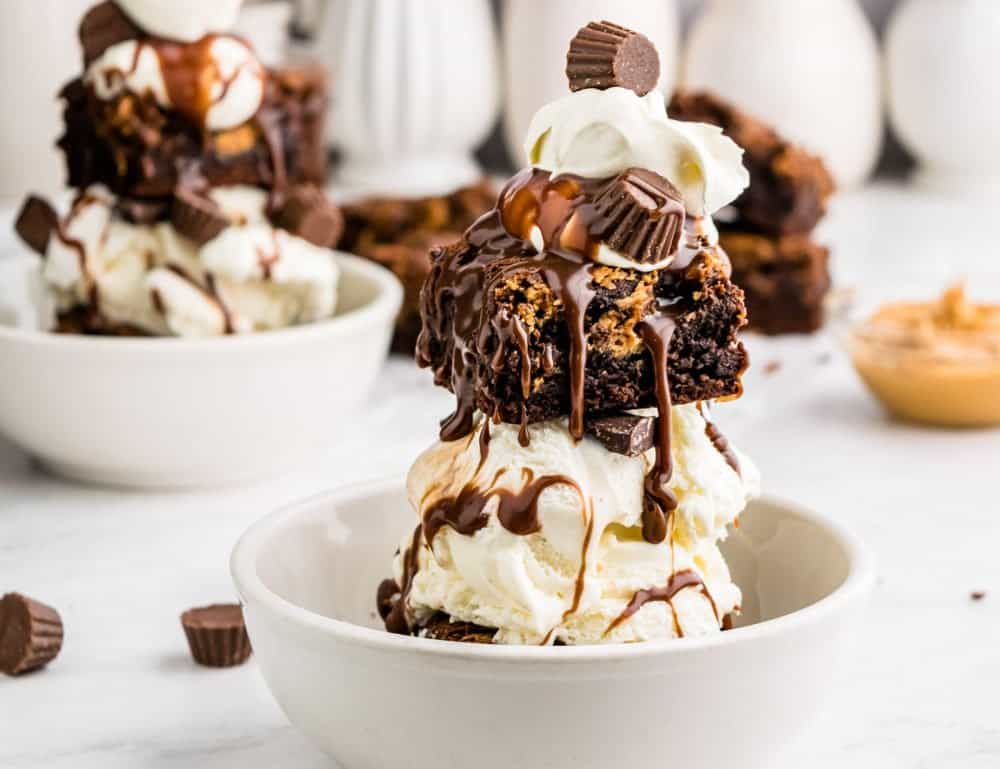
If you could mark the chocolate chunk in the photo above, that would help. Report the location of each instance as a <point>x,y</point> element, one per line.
<point>31,634</point>
<point>977,595</point>
<point>626,434</point>
<point>387,597</point>
<point>105,25</point>
<point>36,222</point>
<point>217,635</point>
<point>604,55</point>
<point>641,216</point>
<point>309,214</point>
<point>196,217</point>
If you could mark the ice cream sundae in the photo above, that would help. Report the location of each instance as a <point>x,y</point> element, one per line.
<point>585,325</point>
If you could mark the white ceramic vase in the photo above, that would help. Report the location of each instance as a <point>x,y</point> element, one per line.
<point>39,53</point>
<point>810,67</point>
<point>943,65</point>
<point>536,39</point>
<point>415,89</point>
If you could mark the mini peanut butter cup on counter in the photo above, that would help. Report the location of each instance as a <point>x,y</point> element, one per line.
<point>605,55</point>
<point>217,635</point>
<point>31,634</point>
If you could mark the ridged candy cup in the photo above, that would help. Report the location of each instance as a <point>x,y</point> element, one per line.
<point>308,576</point>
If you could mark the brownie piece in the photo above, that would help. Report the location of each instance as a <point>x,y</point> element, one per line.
<point>706,359</point>
<point>440,627</point>
<point>410,261</point>
<point>399,234</point>
<point>789,187</point>
<point>139,150</point>
<point>785,279</point>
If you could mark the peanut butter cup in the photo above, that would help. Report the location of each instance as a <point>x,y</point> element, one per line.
<point>604,55</point>
<point>31,634</point>
<point>217,635</point>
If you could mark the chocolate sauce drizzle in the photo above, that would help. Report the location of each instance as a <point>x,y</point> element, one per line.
<point>719,441</point>
<point>517,511</point>
<point>397,620</point>
<point>679,580</point>
<point>659,502</point>
<point>190,74</point>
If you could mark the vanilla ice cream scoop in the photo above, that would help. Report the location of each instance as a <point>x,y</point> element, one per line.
<point>251,277</point>
<point>182,20</point>
<point>544,542</point>
<point>217,83</point>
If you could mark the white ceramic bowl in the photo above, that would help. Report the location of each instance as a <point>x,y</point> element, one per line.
<point>308,574</point>
<point>176,413</point>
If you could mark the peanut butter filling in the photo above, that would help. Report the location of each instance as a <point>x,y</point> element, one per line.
<point>934,362</point>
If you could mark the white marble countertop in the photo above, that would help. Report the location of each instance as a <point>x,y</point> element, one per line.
<point>922,693</point>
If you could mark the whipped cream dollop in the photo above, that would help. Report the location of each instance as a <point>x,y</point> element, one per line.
<point>252,277</point>
<point>597,134</point>
<point>221,87</point>
<point>182,20</point>
<point>574,577</point>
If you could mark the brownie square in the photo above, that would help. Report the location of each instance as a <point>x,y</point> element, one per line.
<point>789,187</point>
<point>139,150</point>
<point>706,358</point>
<point>785,280</point>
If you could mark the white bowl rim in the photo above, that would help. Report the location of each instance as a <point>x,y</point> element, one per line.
<point>859,582</point>
<point>387,300</point>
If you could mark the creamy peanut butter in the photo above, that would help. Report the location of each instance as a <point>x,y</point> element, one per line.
<point>933,362</point>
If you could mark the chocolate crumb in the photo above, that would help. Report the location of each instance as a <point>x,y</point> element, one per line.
<point>36,222</point>
<point>977,595</point>
<point>604,55</point>
<point>31,634</point>
<point>217,635</point>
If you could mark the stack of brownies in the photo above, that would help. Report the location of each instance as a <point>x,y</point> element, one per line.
<point>768,232</point>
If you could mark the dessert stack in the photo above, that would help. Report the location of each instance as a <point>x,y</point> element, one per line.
<point>197,210</point>
<point>579,489</point>
<point>767,232</point>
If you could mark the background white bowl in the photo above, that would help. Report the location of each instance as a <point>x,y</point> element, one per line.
<point>308,574</point>
<point>178,412</point>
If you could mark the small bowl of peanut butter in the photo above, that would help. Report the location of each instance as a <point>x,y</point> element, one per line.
<point>935,362</point>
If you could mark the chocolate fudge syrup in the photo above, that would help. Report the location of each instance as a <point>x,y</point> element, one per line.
<point>678,581</point>
<point>719,441</point>
<point>517,510</point>
<point>659,501</point>
<point>398,620</point>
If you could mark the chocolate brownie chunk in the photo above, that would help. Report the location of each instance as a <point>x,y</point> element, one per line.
<point>138,149</point>
<point>507,328</point>
<point>785,279</point>
<point>399,233</point>
<point>789,187</point>
<point>440,627</point>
